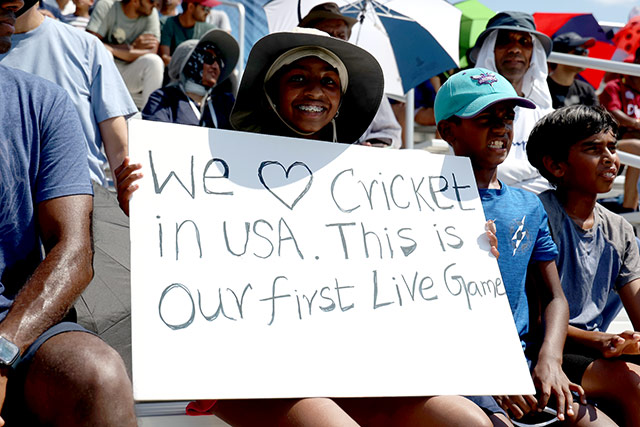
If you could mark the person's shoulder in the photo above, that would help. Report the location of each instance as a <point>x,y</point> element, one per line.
<point>153,16</point>
<point>520,193</point>
<point>583,85</point>
<point>26,90</point>
<point>105,6</point>
<point>611,218</point>
<point>169,92</point>
<point>613,84</point>
<point>171,21</point>
<point>164,96</point>
<point>68,32</point>
<point>12,77</point>
<point>205,26</point>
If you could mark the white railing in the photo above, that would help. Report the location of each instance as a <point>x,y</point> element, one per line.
<point>598,64</point>
<point>555,57</point>
<point>241,21</point>
<point>629,159</point>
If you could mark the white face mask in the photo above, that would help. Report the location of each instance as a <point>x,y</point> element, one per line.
<point>195,88</point>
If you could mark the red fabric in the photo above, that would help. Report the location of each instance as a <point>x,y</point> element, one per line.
<point>550,23</point>
<point>200,407</point>
<point>618,96</point>
<point>628,38</point>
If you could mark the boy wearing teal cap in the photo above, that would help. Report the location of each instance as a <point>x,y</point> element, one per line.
<point>474,112</point>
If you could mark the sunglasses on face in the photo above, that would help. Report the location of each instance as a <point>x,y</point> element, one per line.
<point>211,58</point>
<point>205,8</point>
<point>506,38</point>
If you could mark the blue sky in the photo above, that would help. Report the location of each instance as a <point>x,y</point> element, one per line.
<point>603,10</point>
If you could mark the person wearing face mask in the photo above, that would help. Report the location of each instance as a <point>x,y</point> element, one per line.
<point>197,66</point>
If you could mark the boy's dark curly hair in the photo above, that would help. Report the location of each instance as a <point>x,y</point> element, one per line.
<point>557,132</point>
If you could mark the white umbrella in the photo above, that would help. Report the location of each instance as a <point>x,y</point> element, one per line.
<point>412,40</point>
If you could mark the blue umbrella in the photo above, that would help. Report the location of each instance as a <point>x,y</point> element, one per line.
<point>412,40</point>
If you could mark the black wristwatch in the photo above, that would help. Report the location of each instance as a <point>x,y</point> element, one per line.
<point>9,352</point>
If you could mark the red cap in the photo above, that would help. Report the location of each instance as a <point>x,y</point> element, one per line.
<point>205,3</point>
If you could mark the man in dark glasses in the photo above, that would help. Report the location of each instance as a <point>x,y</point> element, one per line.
<point>565,88</point>
<point>511,46</point>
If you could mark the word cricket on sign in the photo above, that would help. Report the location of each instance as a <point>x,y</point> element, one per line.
<point>270,267</point>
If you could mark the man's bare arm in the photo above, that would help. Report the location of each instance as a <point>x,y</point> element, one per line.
<point>145,43</point>
<point>165,54</point>
<point>65,228</point>
<point>625,120</point>
<point>630,296</point>
<point>617,343</point>
<point>115,140</point>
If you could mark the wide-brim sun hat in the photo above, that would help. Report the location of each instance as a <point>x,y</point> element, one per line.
<point>325,11</point>
<point>469,92</point>
<point>224,42</point>
<point>359,103</point>
<point>512,21</point>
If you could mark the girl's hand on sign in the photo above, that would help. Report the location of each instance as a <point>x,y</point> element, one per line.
<point>126,176</point>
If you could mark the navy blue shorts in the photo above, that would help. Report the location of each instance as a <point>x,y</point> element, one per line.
<point>28,355</point>
<point>577,358</point>
<point>14,406</point>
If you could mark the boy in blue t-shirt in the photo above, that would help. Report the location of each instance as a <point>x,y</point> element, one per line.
<point>474,112</point>
<point>599,265</point>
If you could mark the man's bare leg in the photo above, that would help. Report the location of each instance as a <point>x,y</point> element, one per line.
<point>75,378</point>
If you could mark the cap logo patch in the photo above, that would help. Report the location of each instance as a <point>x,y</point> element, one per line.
<point>485,79</point>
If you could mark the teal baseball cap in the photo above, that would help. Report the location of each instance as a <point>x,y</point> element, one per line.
<point>468,92</point>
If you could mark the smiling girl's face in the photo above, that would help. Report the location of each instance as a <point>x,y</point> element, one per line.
<point>309,94</point>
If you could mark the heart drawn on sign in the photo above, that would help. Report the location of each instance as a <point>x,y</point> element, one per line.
<point>286,171</point>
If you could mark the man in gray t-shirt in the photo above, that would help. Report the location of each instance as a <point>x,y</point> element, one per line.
<point>130,30</point>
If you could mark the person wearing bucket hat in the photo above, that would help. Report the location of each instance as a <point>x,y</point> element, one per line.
<point>327,17</point>
<point>343,109</point>
<point>294,85</point>
<point>511,46</point>
<point>384,131</point>
<point>565,88</point>
<point>49,365</point>
<point>190,24</point>
<point>474,110</point>
<point>196,68</point>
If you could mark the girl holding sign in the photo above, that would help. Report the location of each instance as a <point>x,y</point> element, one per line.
<point>308,85</point>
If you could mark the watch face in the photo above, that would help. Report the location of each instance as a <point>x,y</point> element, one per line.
<point>8,351</point>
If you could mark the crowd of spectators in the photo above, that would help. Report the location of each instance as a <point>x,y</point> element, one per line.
<point>174,62</point>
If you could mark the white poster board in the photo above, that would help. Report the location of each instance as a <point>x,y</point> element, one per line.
<point>275,267</point>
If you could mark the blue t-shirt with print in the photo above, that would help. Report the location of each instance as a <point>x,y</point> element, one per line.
<point>42,156</point>
<point>523,236</point>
